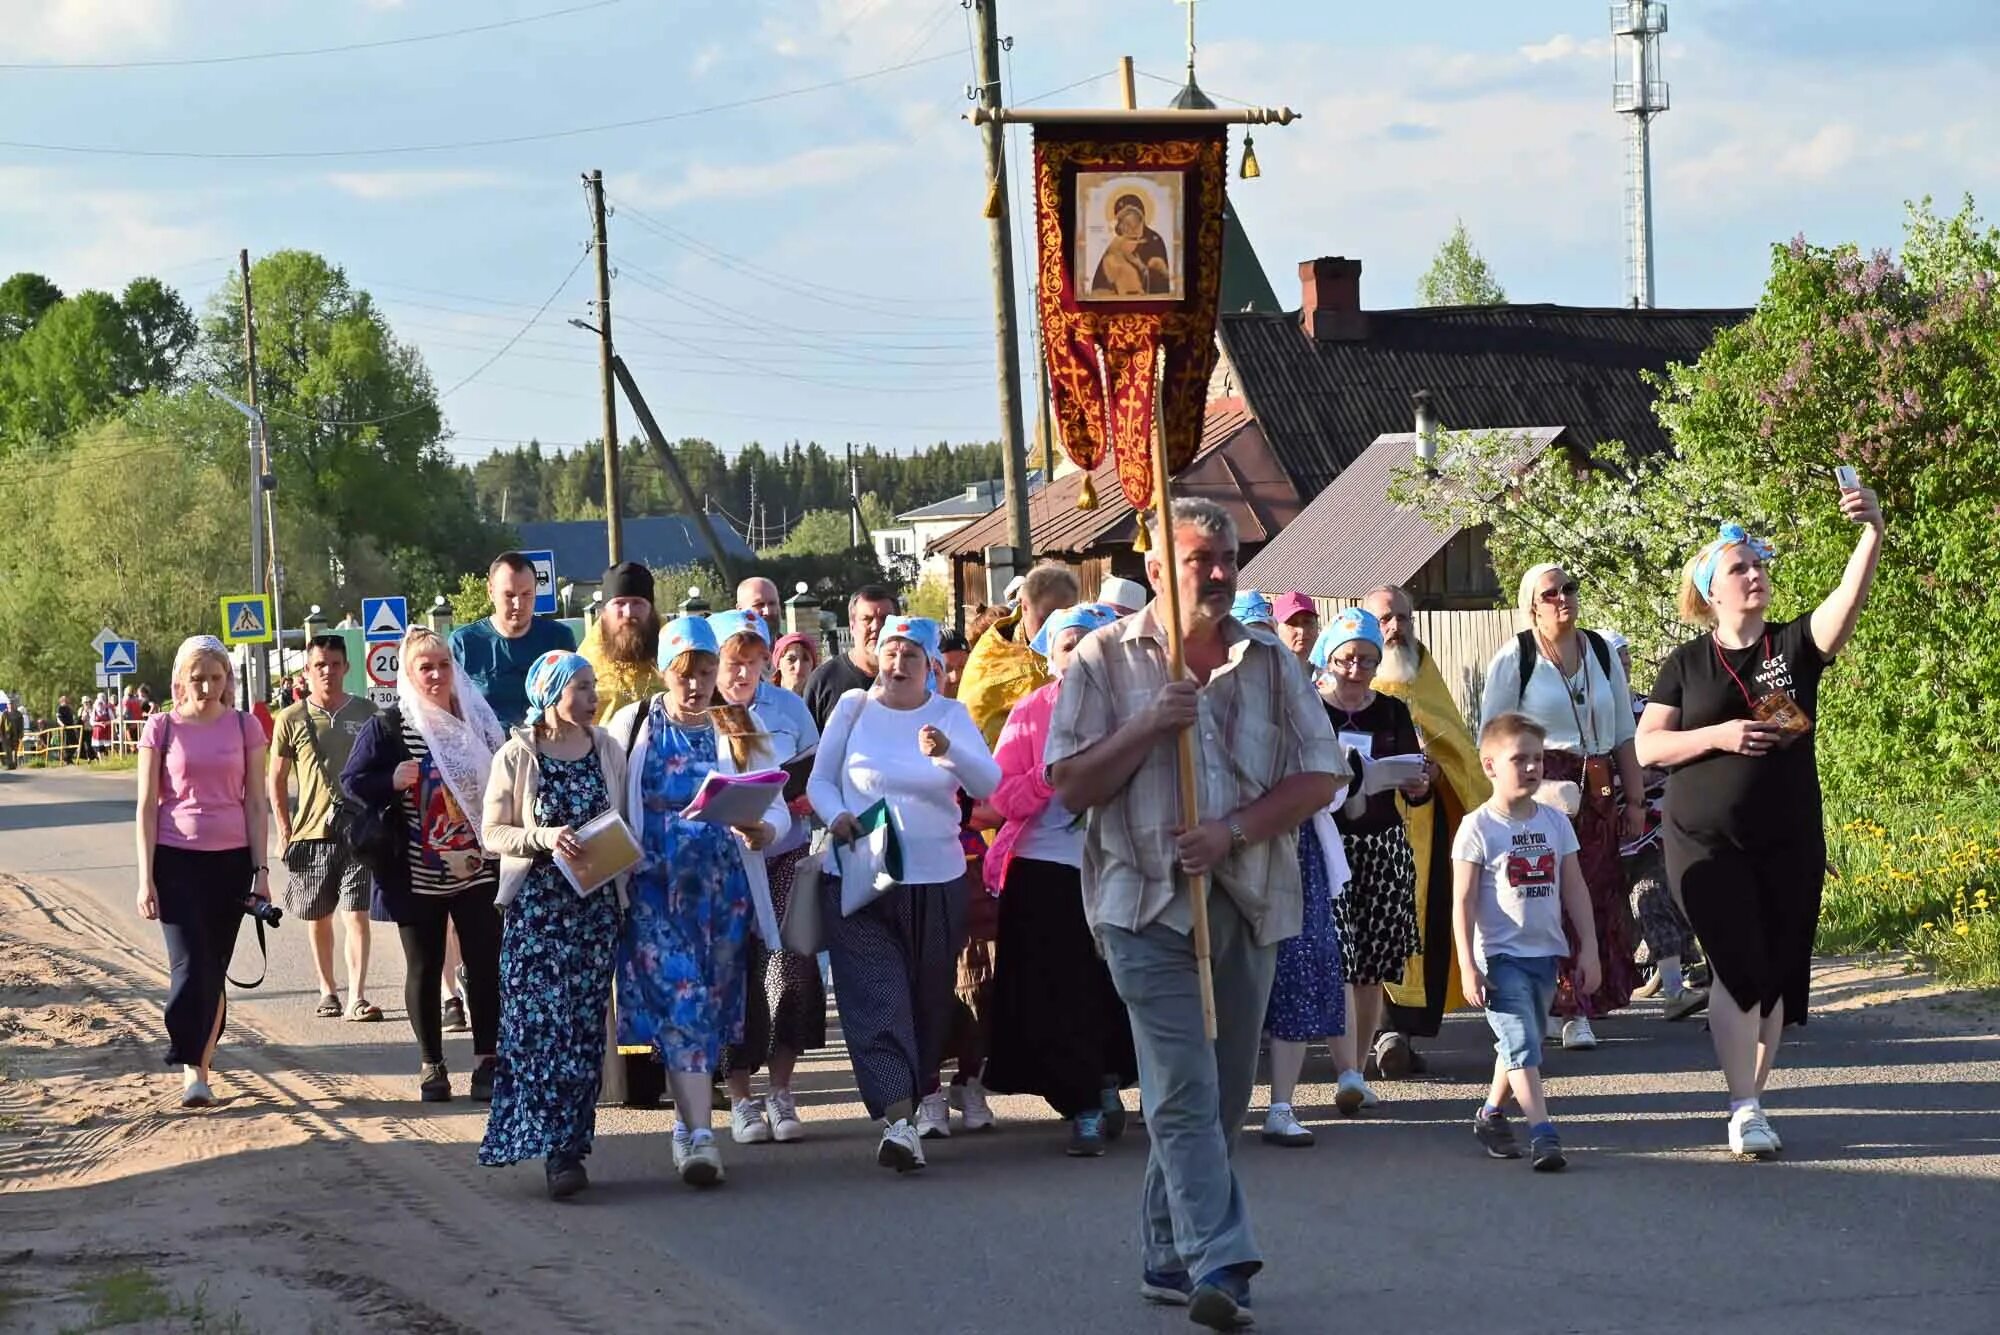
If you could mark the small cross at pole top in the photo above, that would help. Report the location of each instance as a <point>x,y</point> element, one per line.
<point>1190,37</point>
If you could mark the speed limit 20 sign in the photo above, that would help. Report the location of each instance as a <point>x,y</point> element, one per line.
<point>383,660</point>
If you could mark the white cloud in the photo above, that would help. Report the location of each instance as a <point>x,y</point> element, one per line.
<point>396,185</point>
<point>833,164</point>
<point>706,59</point>
<point>82,237</point>
<point>73,30</point>
<point>1562,46</point>
<point>1829,150</point>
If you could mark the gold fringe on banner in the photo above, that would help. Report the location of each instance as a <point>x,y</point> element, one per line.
<point>1140,542</point>
<point>1087,498</point>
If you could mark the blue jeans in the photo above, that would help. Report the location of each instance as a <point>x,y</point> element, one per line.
<point>1192,1214</point>
<point>1519,991</point>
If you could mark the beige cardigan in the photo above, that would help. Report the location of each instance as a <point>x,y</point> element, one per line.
<point>510,806</point>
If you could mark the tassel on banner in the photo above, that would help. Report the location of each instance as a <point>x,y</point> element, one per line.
<point>1251,171</point>
<point>1140,542</point>
<point>993,198</point>
<point>1087,498</point>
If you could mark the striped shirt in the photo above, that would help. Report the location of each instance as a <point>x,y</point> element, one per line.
<point>445,856</point>
<point>1259,722</point>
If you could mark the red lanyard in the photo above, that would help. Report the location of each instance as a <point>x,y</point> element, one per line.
<point>1723,659</point>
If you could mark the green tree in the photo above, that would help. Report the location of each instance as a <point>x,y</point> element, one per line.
<point>818,533</point>
<point>1459,275</point>
<point>23,298</point>
<point>1893,367</point>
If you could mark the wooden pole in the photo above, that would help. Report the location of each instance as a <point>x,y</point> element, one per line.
<point>614,512</point>
<point>1006,320</point>
<point>1170,594</point>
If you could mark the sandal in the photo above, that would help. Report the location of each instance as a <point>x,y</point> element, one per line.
<point>329,1007</point>
<point>364,1010</point>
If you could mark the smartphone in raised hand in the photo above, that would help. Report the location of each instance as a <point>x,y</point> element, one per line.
<point>1847,477</point>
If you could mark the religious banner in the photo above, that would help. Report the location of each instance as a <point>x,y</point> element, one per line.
<point>1128,224</point>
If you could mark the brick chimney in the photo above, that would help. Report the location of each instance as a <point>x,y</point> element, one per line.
<point>1330,306</point>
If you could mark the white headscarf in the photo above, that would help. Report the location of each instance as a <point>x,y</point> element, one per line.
<point>461,744</point>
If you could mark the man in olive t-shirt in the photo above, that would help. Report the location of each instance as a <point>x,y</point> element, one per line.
<point>322,874</point>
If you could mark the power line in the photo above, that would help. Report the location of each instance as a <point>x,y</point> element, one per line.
<point>102,150</point>
<point>312,50</point>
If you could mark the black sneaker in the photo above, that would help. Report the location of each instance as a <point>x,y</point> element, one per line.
<point>566,1177</point>
<point>482,1081</point>
<point>1167,1288</point>
<point>1496,1137</point>
<point>1114,1114</point>
<point>1221,1301</point>
<point>1692,1001</point>
<point>1392,1056</point>
<point>434,1083</point>
<point>454,1016</point>
<point>1548,1153</point>
<point>1086,1136</point>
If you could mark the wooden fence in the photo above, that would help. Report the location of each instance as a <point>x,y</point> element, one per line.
<point>1462,643</point>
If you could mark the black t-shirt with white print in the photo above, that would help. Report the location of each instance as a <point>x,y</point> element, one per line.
<point>1729,800</point>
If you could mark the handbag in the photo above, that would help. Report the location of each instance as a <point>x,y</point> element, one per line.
<point>363,829</point>
<point>803,931</point>
<point>872,864</point>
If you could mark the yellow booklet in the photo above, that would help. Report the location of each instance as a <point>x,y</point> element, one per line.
<point>609,850</point>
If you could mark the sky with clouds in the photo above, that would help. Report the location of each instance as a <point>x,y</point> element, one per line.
<point>798,227</point>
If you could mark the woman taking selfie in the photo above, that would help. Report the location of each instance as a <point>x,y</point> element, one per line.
<point>1731,716</point>
<point>1568,680</point>
<point>427,760</point>
<point>200,848</point>
<point>895,958</point>
<point>558,948</point>
<point>682,955</point>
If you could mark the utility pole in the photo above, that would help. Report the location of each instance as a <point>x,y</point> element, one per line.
<point>258,684</point>
<point>853,501</point>
<point>1013,451</point>
<point>614,521</point>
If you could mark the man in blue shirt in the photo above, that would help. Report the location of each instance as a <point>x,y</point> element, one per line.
<point>496,653</point>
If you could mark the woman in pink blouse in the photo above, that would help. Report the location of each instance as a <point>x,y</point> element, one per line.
<point>1059,1029</point>
<point>200,846</point>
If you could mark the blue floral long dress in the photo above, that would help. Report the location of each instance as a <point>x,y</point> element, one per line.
<point>681,959</point>
<point>557,954</point>
<point>1308,990</point>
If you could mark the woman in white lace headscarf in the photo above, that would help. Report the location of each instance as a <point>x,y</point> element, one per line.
<point>425,762</point>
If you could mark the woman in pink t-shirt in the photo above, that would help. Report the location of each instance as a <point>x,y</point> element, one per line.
<point>201,847</point>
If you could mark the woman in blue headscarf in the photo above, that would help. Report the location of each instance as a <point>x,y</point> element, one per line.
<point>558,948</point>
<point>683,959</point>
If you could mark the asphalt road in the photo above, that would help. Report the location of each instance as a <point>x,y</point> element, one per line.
<point>1882,1214</point>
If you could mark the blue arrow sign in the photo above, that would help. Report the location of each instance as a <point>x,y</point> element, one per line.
<point>384,619</point>
<point>121,658</point>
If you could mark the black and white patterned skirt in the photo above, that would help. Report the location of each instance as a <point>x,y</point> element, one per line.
<point>1378,914</point>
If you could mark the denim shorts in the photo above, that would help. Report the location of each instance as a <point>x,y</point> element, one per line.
<point>1519,991</point>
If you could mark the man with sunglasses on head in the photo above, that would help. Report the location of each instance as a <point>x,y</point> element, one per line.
<point>322,873</point>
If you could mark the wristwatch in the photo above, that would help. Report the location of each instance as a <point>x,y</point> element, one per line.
<point>1238,841</point>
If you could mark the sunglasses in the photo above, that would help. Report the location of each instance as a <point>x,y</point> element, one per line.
<point>1561,593</point>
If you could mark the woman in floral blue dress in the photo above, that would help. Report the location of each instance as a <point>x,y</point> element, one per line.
<point>682,956</point>
<point>558,948</point>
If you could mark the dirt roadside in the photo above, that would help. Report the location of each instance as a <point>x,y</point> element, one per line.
<point>303,1202</point>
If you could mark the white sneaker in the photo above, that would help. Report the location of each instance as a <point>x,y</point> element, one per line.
<point>1770,1129</point>
<point>697,1158</point>
<point>784,1114</point>
<point>934,1117</point>
<point>746,1122</point>
<point>972,1105</point>
<point>1578,1034</point>
<point>901,1149</point>
<point>1351,1094</point>
<point>1281,1127</point>
<point>1750,1135</point>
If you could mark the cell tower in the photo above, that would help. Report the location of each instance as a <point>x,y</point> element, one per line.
<point>1638,92</point>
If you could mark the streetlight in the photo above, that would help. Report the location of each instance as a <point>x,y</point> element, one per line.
<point>262,517</point>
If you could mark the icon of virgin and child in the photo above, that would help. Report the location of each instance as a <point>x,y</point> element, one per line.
<point>1135,260</point>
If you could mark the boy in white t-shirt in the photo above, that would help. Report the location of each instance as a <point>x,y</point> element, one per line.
<point>1515,873</point>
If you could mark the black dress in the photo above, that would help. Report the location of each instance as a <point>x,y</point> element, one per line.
<point>1744,837</point>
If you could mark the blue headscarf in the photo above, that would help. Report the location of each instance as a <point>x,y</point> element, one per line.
<point>1087,615</point>
<point>920,631</point>
<point>1730,535</point>
<point>547,677</point>
<point>1253,609</point>
<point>728,625</point>
<point>686,635</point>
<point>1356,623</point>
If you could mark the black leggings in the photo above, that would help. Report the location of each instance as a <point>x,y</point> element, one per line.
<point>201,907</point>
<point>422,928</point>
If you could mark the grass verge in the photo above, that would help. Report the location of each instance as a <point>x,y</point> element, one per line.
<point>1921,877</point>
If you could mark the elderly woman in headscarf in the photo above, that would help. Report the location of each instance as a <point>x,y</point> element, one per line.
<point>895,952</point>
<point>200,847</point>
<point>1568,680</point>
<point>426,762</point>
<point>559,947</point>
<point>683,955</point>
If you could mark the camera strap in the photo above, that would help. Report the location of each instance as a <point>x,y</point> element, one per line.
<point>264,951</point>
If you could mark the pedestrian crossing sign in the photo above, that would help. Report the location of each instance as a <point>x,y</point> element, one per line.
<point>246,619</point>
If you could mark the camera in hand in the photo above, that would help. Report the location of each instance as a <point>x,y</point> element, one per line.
<point>263,910</point>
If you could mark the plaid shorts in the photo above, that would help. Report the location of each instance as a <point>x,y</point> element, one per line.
<point>321,875</point>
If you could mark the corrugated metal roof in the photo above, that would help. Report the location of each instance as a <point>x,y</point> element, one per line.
<point>970,502</point>
<point>1352,539</point>
<point>658,541</point>
<point>1058,528</point>
<point>1321,402</point>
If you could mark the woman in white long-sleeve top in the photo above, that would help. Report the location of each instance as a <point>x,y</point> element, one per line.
<point>895,959</point>
<point>681,957</point>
